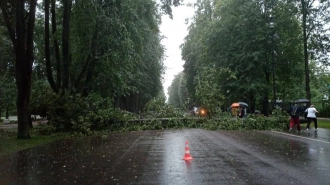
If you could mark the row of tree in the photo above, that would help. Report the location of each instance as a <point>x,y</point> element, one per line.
<point>257,51</point>
<point>108,47</point>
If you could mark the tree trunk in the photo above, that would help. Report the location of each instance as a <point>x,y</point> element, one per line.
<point>265,104</point>
<point>24,62</point>
<point>82,73</point>
<point>65,42</point>
<point>265,101</point>
<point>20,25</point>
<point>91,62</point>
<point>304,25</point>
<point>7,113</point>
<point>47,50</point>
<point>56,46</point>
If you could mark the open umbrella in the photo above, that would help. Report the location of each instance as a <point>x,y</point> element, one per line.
<point>243,104</point>
<point>235,105</point>
<point>302,101</point>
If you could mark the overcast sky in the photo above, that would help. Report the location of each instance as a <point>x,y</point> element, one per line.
<point>175,31</point>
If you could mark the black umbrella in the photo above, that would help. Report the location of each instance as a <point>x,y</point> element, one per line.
<point>243,104</point>
<point>302,101</point>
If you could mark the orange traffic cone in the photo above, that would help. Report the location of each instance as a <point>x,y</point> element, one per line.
<point>187,155</point>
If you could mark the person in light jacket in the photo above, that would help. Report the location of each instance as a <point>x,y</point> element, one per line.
<point>311,116</point>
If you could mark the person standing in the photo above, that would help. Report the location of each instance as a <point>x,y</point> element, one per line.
<point>311,116</point>
<point>235,111</point>
<point>242,113</point>
<point>294,113</point>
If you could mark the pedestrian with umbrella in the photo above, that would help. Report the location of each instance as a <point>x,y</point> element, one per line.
<point>294,113</point>
<point>235,109</point>
<point>243,106</point>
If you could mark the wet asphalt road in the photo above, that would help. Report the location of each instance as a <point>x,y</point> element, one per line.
<point>155,157</point>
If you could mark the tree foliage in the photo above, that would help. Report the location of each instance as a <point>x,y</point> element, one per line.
<point>315,37</point>
<point>114,52</point>
<point>7,72</point>
<point>260,44</point>
<point>173,91</point>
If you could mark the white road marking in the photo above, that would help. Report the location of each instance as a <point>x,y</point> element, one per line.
<point>300,137</point>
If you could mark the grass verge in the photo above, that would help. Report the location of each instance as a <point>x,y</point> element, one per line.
<point>322,124</point>
<point>10,144</point>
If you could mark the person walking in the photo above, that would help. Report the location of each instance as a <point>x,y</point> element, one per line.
<point>311,116</point>
<point>294,113</point>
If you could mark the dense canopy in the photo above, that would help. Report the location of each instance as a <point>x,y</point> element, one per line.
<point>254,51</point>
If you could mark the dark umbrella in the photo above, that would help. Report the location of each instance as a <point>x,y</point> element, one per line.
<point>243,104</point>
<point>302,101</point>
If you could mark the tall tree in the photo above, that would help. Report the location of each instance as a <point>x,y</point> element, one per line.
<point>62,63</point>
<point>241,37</point>
<point>67,5</point>
<point>315,16</point>
<point>19,17</point>
<point>47,39</point>
<point>304,10</point>
<point>193,47</point>
<point>115,51</point>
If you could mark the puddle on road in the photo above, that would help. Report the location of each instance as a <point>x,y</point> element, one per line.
<point>75,161</point>
<point>146,156</point>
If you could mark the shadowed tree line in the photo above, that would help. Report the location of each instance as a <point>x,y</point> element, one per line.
<point>104,52</point>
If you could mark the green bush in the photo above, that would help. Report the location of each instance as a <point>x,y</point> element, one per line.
<point>41,94</point>
<point>159,109</point>
<point>65,110</point>
<point>83,115</point>
<point>45,129</point>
